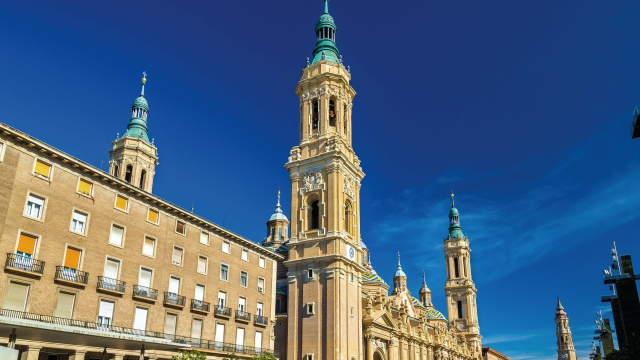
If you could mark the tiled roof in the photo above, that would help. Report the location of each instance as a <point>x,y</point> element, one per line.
<point>372,278</point>
<point>435,314</point>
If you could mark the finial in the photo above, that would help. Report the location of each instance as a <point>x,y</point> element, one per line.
<point>144,80</point>
<point>399,260</point>
<point>349,69</point>
<point>424,278</point>
<point>559,305</point>
<point>278,196</point>
<point>452,203</point>
<point>307,63</point>
<point>326,6</point>
<point>340,59</point>
<point>117,136</point>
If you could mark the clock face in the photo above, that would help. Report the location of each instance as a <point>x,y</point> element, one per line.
<point>351,253</point>
<point>460,326</point>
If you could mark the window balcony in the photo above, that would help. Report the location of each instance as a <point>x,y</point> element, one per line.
<point>71,276</point>
<point>25,265</point>
<point>200,306</point>
<point>221,311</point>
<point>243,316</point>
<point>261,320</point>
<point>174,300</point>
<point>111,286</point>
<point>144,293</point>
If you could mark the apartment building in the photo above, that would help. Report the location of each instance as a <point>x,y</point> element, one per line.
<point>98,266</point>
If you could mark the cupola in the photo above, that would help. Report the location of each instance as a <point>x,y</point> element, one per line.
<point>326,48</point>
<point>455,230</point>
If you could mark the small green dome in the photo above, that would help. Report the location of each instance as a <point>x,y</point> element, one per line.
<point>453,212</point>
<point>140,102</point>
<point>326,48</point>
<point>326,21</point>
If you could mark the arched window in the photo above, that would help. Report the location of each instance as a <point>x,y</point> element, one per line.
<point>332,113</point>
<point>116,170</point>
<point>129,173</point>
<point>273,233</point>
<point>349,218</point>
<point>279,233</point>
<point>316,115</point>
<point>142,176</point>
<point>345,119</point>
<point>314,215</point>
<point>455,267</point>
<point>460,312</point>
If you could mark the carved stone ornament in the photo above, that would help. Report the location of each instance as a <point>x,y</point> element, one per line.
<point>295,153</point>
<point>349,187</point>
<point>312,181</point>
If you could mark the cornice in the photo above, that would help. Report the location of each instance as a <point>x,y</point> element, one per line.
<point>121,185</point>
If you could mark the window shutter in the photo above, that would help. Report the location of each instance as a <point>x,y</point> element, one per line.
<point>42,169</point>
<point>219,333</point>
<point>145,278</point>
<point>258,343</point>
<point>140,319</point>
<point>16,296</point>
<point>174,285</point>
<point>106,309</point>
<point>147,248</point>
<point>72,258</point>
<point>199,292</point>
<point>79,217</point>
<point>202,264</point>
<point>177,256</point>
<point>111,269</point>
<point>261,285</point>
<point>170,324</point>
<point>240,337</point>
<point>26,244</point>
<point>84,187</point>
<point>241,304</point>
<point>153,216</point>
<point>36,200</point>
<point>121,203</point>
<point>116,235</point>
<point>222,298</point>
<point>196,329</point>
<point>204,238</point>
<point>259,309</point>
<point>179,227</point>
<point>64,307</point>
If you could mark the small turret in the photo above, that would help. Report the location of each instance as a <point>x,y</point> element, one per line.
<point>277,227</point>
<point>399,278</point>
<point>425,292</point>
<point>455,230</point>
<point>326,48</point>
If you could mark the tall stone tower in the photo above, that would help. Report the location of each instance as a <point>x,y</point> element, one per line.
<point>563,333</point>
<point>324,268</point>
<point>133,157</point>
<point>459,287</point>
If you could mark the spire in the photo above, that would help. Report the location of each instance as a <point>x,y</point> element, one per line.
<point>399,272</point>
<point>326,48</point>
<point>137,127</point>
<point>560,309</point>
<point>455,230</point>
<point>277,214</point>
<point>424,288</point>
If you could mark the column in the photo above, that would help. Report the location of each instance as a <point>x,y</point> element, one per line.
<point>401,354</point>
<point>393,350</point>
<point>369,347</point>
<point>79,355</point>
<point>30,353</point>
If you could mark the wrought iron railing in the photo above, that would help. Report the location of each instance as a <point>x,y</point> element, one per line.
<point>25,263</point>
<point>221,310</point>
<point>111,284</point>
<point>145,292</point>
<point>174,299</point>
<point>200,305</point>
<point>65,273</point>
<point>243,315</point>
<point>262,320</point>
<point>176,339</point>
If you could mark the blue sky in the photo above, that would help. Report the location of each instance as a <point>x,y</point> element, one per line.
<point>522,108</point>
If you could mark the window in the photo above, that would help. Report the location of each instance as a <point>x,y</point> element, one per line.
<point>128,174</point>
<point>105,314</point>
<point>224,272</point>
<point>310,308</point>
<point>242,304</point>
<point>259,309</point>
<point>314,215</point>
<point>174,289</point>
<point>261,285</point>
<point>78,222</point>
<point>43,169</point>
<point>170,325</point>
<point>226,247</point>
<point>308,357</point>
<point>116,170</point>
<point>460,312</point>
<point>196,329</point>
<point>84,187</point>
<point>455,267</point>
<point>258,342</point>
<point>71,263</point>
<point>117,235</point>
<point>202,264</point>
<point>204,238</point>
<point>245,255</point>
<point>176,259</point>
<point>122,203</point>
<point>152,216</point>
<point>219,336</point>
<point>1,153</point>
<point>144,278</point>
<point>332,112</point>
<point>279,233</point>
<point>140,320</point>
<point>243,279</point>
<point>310,274</point>
<point>316,115</point>
<point>149,246</point>
<point>349,218</point>
<point>262,262</point>
<point>180,227</point>
<point>142,178</point>
<point>222,299</point>
<point>16,296</point>
<point>199,295</point>
<point>34,207</point>
<point>25,251</point>
<point>345,120</point>
<point>240,340</point>
<point>111,269</point>
<point>64,305</point>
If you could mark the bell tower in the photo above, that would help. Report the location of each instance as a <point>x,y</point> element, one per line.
<point>563,333</point>
<point>324,267</point>
<point>459,287</point>
<point>133,157</point>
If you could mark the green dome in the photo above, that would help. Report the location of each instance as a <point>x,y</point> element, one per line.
<point>453,212</point>
<point>326,48</point>
<point>141,102</point>
<point>326,21</point>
